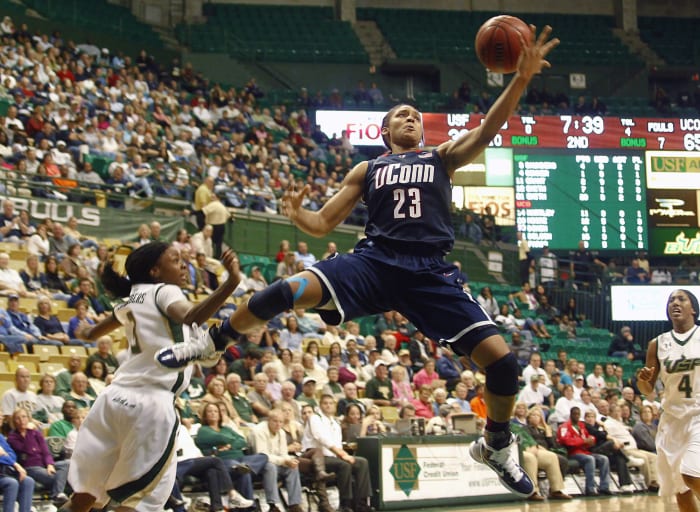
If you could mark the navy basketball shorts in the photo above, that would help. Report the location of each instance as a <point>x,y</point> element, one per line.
<point>425,289</point>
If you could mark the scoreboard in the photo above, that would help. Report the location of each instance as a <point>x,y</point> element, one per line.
<point>617,183</point>
<point>589,177</point>
<point>562,197</point>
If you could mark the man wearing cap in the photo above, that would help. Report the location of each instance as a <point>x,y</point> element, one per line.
<point>308,392</point>
<point>256,282</point>
<point>535,393</point>
<point>379,387</point>
<point>623,345</point>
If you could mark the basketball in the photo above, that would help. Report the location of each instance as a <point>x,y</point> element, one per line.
<point>498,43</point>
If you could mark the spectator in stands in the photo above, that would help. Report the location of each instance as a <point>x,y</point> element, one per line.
<point>583,267</point>
<point>302,254</point>
<point>427,375</point>
<point>620,433</point>
<point>212,470</point>
<point>53,281</point>
<point>30,446</point>
<point>575,437</point>
<point>401,386</point>
<point>612,449</point>
<point>52,405</point>
<point>215,438</point>
<point>644,431</point>
<point>22,326</point>
<point>634,274</point>
<point>104,354</point>
<point>470,229</point>
<point>477,403</point>
<point>9,223</point>
<point>541,434</point>
<point>352,472</point>
<point>38,243</point>
<point>260,398</point>
<point>31,276</point>
<point>15,484</point>
<point>423,404</point>
<point>19,397</point>
<point>86,293</point>
<point>59,242</point>
<point>245,366</point>
<point>241,404</point>
<point>269,438</point>
<point>50,326</point>
<point>10,281</point>
<point>536,394</point>
<point>202,241</point>
<point>64,377</point>
<point>565,403</point>
<point>79,391</point>
<point>488,302</point>
<point>623,345</point>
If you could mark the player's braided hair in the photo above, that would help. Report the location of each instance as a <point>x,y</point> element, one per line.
<point>138,269</point>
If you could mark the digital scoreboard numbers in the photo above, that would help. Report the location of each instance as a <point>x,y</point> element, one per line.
<point>562,197</point>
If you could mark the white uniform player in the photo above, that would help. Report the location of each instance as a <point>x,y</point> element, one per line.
<point>125,445</point>
<point>678,436</point>
<point>674,357</point>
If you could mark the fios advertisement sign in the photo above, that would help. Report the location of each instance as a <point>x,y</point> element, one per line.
<point>364,128</point>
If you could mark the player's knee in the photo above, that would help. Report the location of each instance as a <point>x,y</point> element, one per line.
<point>502,376</point>
<point>272,301</point>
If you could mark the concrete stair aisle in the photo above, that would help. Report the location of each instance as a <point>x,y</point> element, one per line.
<point>373,42</point>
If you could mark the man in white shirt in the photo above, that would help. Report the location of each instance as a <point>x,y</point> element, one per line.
<point>352,473</point>
<point>619,432</point>
<point>302,254</point>
<point>268,438</point>
<point>536,393</point>
<point>534,368</point>
<point>595,380</point>
<point>19,397</point>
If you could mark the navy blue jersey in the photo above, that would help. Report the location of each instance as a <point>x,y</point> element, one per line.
<point>408,196</point>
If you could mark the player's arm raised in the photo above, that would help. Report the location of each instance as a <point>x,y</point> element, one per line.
<point>648,375</point>
<point>532,59</point>
<point>336,209</point>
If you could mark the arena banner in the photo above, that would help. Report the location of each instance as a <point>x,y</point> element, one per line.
<point>674,242</point>
<point>97,222</point>
<point>673,208</point>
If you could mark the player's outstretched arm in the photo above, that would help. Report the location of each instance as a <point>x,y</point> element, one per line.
<point>336,209</point>
<point>648,375</point>
<point>532,59</point>
<point>89,332</point>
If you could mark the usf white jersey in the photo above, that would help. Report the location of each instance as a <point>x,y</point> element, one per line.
<point>679,359</point>
<point>148,329</point>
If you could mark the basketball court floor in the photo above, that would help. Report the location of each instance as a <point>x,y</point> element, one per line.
<point>634,503</point>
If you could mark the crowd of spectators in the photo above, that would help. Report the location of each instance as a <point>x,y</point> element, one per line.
<point>162,130</point>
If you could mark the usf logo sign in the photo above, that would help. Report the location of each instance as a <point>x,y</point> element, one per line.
<point>405,469</point>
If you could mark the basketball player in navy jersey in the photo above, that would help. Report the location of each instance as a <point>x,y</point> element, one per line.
<point>400,265</point>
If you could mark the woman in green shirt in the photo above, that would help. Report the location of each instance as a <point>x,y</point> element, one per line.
<point>213,438</point>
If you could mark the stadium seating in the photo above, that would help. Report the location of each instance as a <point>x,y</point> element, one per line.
<point>107,16</point>
<point>274,33</point>
<point>447,35</point>
<point>673,39</point>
